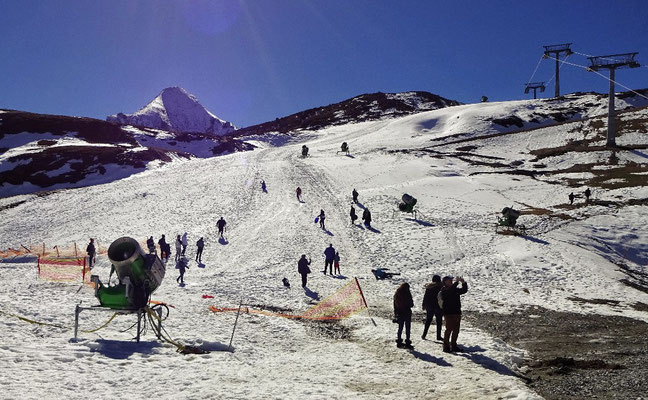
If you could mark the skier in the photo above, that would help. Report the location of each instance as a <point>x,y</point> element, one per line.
<point>403,304</point>
<point>336,263</point>
<point>185,242</point>
<point>201,244</point>
<point>353,215</point>
<point>299,194</point>
<point>263,186</point>
<point>181,266</point>
<point>450,302</point>
<point>221,226</point>
<point>322,217</point>
<point>91,253</point>
<point>588,193</point>
<point>162,243</point>
<point>178,245</point>
<point>355,196</point>
<point>150,243</point>
<point>329,254</point>
<point>431,306</point>
<point>571,198</point>
<point>302,268</point>
<point>366,217</point>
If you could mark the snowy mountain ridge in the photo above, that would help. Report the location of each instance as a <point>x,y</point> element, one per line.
<point>176,110</point>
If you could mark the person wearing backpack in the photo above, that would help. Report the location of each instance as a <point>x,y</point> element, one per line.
<point>450,301</point>
<point>431,306</point>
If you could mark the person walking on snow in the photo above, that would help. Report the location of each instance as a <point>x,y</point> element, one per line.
<point>201,244</point>
<point>299,194</point>
<point>431,306</point>
<point>329,255</point>
<point>322,217</point>
<point>150,243</point>
<point>181,266</point>
<point>355,196</point>
<point>366,217</point>
<point>450,302</point>
<point>336,263</point>
<point>221,226</point>
<point>185,242</point>
<point>162,243</point>
<point>302,268</point>
<point>403,304</point>
<point>263,186</point>
<point>353,215</point>
<point>178,247</point>
<point>571,198</point>
<point>91,250</point>
<point>588,193</point>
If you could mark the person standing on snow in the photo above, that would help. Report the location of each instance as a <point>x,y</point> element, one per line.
<point>162,243</point>
<point>181,266</point>
<point>450,302</point>
<point>302,268</point>
<point>91,250</point>
<point>329,255</point>
<point>588,193</point>
<point>221,226</point>
<point>355,196</point>
<point>178,246</point>
<point>571,198</point>
<point>353,215</point>
<point>322,217</point>
<point>431,306</point>
<point>366,217</point>
<point>336,263</point>
<point>299,194</point>
<point>150,243</point>
<point>201,244</point>
<point>263,186</point>
<point>185,242</point>
<point>403,304</point>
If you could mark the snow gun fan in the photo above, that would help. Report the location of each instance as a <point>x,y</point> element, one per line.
<point>139,275</point>
<point>507,224</point>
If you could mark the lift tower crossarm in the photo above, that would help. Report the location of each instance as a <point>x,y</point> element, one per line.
<point>555,50</point>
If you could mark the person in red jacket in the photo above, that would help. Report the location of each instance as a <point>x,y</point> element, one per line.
<point>403,304</point>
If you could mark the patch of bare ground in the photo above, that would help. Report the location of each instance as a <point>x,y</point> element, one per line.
<point>575,356</point>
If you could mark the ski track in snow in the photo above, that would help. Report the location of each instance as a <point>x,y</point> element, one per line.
<point>265,236</point>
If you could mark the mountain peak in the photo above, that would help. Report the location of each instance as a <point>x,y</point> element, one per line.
<point>177,110</point>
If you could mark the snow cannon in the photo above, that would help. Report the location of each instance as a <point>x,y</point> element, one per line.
<point>510,217</point>
<point>139,275</point>
<point>408,203</point>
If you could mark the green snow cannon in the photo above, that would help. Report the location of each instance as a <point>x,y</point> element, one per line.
<point>139,275</point>
<point>408,203</point>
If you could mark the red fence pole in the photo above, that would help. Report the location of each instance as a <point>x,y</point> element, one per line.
<point>38,265</point>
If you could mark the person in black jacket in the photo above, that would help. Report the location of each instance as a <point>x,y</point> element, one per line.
<point>162,243</point>
<point>329,257</point>
<point>322,217</point>
<point>221,226</point>
<point>201,244</point>
<point>353,215</point>
<point>451,304</point>
<point>403,304</point>
<point>91,250</point>
<point>302,268</point>
<point>366,217</point>
<point>431,306</point>
<point>354,194</point>
<point>150,243</point>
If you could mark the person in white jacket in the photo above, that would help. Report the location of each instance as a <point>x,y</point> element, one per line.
<point>185,242</point>
<point>178,247</point>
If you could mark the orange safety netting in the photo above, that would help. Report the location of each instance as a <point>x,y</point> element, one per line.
<point>63,269</point>
<point>347,301</point>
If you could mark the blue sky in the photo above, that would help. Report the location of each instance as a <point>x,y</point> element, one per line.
<point>253,61</point>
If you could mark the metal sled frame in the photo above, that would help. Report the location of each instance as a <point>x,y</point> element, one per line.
<point>140,313</point>
<point>504,228</point>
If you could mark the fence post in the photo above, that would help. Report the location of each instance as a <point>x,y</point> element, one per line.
<point>75,250</point>
<point>38,265</point>
<point>84,269</point>
<point>43,248</point>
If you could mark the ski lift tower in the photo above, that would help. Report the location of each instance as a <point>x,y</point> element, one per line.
<point>612,62</point>
<point>555,50</point>
<point>534,86</point>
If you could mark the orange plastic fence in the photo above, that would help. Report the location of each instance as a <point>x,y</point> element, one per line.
<point>63,269</point>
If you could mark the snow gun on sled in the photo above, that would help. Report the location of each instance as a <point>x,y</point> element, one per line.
<point>407,205</point>
<point>507,223</point>
<point>139,275</point>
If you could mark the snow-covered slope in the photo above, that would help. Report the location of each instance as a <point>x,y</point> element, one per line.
<point>585,251</point>
<point>175,110</point>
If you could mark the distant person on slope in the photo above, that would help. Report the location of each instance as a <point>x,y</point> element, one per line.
<point>403,304</point>
<point>571,198</point>
<point>221,226</point>
<point>263,186</point>
<point>185,242</point>
<point>329,257</point>
<point>353,215</point>
<point>450,302</point>
<point>366,217</point>
<point>150,243</point>
<point>178,248</point>
<point>162,243</point>
<point>91,250</point>
<point>181,266</point>
<point>201,244</point>
<point>355,196</point>
<point>322,217</point>
<point>299,194</point>
<point>431,306</point>
<point>302,268</point>
<point>588,193</point>
<point>336,263</point>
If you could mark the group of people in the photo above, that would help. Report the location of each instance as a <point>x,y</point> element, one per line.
<point>331,261</point>
<point>442,300</point>
<point>587,194</point>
